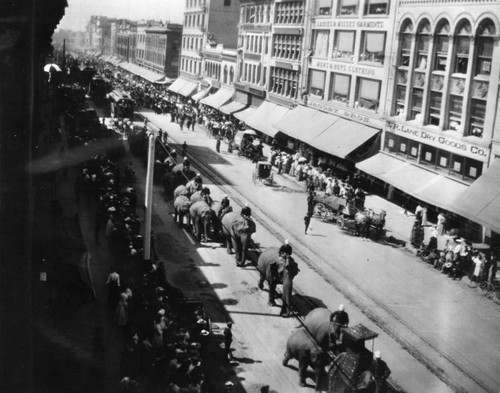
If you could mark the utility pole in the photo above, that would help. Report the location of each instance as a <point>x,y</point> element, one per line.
<point>64,55</point>
<point>148,202</point>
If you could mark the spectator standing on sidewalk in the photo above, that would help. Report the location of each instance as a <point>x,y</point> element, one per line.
<point>113,284</point>
<point>184,149</point>
<point>228,339</point>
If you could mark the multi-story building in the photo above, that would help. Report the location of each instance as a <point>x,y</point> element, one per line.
<point>162,49</point>
<point>126,40</point>
<point>140,45</point>
<point>441,106</point>
<point>206,22</point>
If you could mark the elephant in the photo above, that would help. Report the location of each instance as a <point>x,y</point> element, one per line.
<point>302,347</point>
<point>238,231</point>
<point>202,195</point>
<point>277,268</point>
<point>181,190</point>
<point>181,209</point>
<point>201,214</point>
<point>317,323</point>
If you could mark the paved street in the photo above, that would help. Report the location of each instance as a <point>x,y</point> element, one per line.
<point>419,313</point>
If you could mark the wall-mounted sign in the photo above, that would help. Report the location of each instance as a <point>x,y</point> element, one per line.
<point>348,68</point>
<point>353,24</point>
<point>359,117</point>
<point>445,142</point>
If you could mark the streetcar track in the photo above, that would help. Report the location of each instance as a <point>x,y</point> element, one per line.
<point>258,214</point>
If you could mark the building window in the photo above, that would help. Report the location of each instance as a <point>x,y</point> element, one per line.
<point>284,82</point>
<point>340,86</point>
<point>423,40</point>
<point>484,45</point>
<point>227,3</point>
<point>477,115</point>
<point>287,46</point>
<point>372,47</point>
<point>320,43</point>
<point>416,104</point>
<point>323,7</point>
<point>317,83</point>
<point>377,7</point>
<point>344,45</point>
<point>428,155</point>
<point>473,169</point>
<point>435,101</point>
<point>348,7</point>
<point>441,47</point>
<point>406,38</point>
<point>368,94</point>
<point>462,48</point>
<point>455,112</point>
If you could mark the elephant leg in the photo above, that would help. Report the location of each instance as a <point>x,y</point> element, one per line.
<point>303,363</point>
<point>228,244</point>
<point>318,375</point>
<point>237,250</point>
<point>286,358</point>
<point>261,281</point>
<point>272,293</point>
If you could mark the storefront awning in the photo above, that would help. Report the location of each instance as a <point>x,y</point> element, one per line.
<point>414,180</point>
<point>342,137</point>
<point>304,123</point>
<point>245,113</point>
<point>188,89</point>
<point>218,99</point>
<point>231,107</point>
<point>265,116</point>
<point>201,94</point>
<point>144,73</point>
<point>481,202</point>
<point>177,85</point>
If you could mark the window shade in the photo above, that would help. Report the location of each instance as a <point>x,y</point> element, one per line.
<point>375,42</point>
<point>341,84</point>
<point>345,41</point>
<point>317,79</point>
<point>321,43</point>
<point>368,89</point>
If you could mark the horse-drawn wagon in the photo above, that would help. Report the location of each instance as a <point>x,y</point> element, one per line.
<point>349,216</point>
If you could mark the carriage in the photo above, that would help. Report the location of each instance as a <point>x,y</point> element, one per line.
<point>349,372</point>
<point>263,173</point>
<point>349,216</point>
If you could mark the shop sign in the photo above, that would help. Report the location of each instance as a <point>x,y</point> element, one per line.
<point>342,112</point>
<point>448,143</point>
<point>352,24</point>
<point>346,68</point>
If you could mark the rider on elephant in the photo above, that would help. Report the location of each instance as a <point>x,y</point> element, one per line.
<point>286,248</point>
<point>202,195</point>
<point>246,212</point>
<point>339,320</point>
<point>225,207</point>
<point>194,185</point>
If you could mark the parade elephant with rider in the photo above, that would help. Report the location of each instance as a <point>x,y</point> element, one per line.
<point>181,209</point>
<point>277,268</point>
<point>238,230</point>
<point>302,347</point>
<point>202,218</point>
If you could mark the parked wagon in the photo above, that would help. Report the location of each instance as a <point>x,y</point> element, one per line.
<point>331,208</point>
<point>263,172</point>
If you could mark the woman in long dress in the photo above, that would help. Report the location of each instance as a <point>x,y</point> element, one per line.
<point>121,313</point>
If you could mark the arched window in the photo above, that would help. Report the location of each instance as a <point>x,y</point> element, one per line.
<point>423,40</point>
<point>462,48</point>
<point>231,75</point>
<point>225,74</point>
<point>406,36</point>
<point>484,44</point>
<point>441,46</point>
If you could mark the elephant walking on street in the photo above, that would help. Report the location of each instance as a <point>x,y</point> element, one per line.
<point>181,209</point>
<point>317,323</point>
<point>202,216</point>
<point>238,232</point>
<point>302,347</point>
<point>181,190</point>
<point>278,268</point>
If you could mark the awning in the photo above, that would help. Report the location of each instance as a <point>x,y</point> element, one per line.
<point>189,88</point>
<point>414,180</point>
<point>231,107</point>
<point>304,123</point>
<point>342,137</point>
<point>201,94</point>
<point>144,73</point>
<point>245,113</point>
<point>265,116</point>
<point>481,202</point>
<point>177,85</point>
<point>218,99</point>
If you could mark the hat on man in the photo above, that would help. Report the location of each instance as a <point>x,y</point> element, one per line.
<point>341,307</point>
<point>377,354</point>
